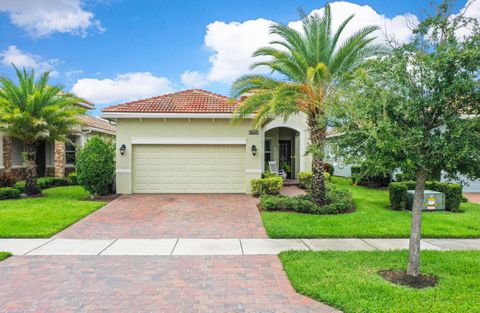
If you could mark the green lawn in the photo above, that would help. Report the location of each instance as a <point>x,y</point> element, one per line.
<point>349,280</point>
<point>4,255</point>
<point>372,219</point>
<point>47,215</point>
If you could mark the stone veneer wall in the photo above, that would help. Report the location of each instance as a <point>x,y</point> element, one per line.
<point>59,159</point>
<point>7,153</point>
<point>58,170</point>
<point>19,173</point>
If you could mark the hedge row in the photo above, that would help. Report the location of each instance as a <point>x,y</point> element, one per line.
<point>45,183</point>
<point>9,193</point>
<point>398,194</point>
<point>339,201</point>
<point>359,178</point>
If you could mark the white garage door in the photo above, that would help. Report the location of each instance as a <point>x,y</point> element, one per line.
<point>188,168</point>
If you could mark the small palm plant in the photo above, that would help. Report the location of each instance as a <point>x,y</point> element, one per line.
<point>34,111</point>
<point>306,68</point>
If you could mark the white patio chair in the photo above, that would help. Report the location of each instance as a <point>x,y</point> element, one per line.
<point>272,165</point>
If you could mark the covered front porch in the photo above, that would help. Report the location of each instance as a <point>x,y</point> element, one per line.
<point>285,145</point>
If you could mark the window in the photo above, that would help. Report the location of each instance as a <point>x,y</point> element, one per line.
<point>70,151</point>
<point>50,153</point>
<point>268,152</point>
<point>17,152</point>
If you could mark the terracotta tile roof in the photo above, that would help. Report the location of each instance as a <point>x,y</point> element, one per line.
<point>99,123</point>
<point>188,101</point>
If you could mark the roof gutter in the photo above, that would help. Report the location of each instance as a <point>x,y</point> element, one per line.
<point>116,115</point>
<point>98,130</point>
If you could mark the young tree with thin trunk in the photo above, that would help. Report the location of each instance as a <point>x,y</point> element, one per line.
<point>34,111</point>
<point>418,110</point>
<point>306,68</point>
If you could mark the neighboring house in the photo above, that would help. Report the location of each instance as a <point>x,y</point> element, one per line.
<point>186,142</point>
<point>345,170</point>
<point>53,158</point>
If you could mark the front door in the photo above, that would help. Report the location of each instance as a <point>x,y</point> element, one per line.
<point>41,160</point>
<point>285,147</point>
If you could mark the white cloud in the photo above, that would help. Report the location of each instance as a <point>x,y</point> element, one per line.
<point>233,43</point>
<point>470,10</point>
<point>124,87</point>
<point>399,26</point>
<point>23,59</point>
<point>44,17</point>
<point>194,79</point>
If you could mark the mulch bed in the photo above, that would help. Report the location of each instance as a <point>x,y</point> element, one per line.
<point>401,278</point>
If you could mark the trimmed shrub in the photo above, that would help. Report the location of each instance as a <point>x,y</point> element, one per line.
<point>9,193</point>
<point>305,179</point>
<point>339,201</point>
<point>359,178</point>
<point>44,183</point>
<point>285,203</point>
<point>72,178</point>
<point>327,167</point>
<point>355,174</point>
<point>20,186</point>
<point>7,180</point>
<point>96,166</point>
<point>269,175</point>
<point>266,186</point>
<point>398,196</point>
<point>453,193</point>
<point>50,182</point>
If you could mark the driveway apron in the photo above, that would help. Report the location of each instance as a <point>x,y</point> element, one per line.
<point>172,216</point>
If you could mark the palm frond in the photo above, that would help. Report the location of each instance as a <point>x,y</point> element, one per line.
<point>33,110</point>
<point>305,67</point>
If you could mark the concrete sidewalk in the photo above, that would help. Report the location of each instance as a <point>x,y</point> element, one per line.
<point>196,246</point>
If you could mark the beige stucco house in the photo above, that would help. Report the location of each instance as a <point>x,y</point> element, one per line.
<point>54,159</point>
<point>186,142</point>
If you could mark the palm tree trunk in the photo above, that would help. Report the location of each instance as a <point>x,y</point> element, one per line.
<point>317,141</point>
<point>416,227</point>
<point>31,187</point>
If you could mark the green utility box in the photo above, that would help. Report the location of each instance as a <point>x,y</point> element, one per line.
<point>432,200</point>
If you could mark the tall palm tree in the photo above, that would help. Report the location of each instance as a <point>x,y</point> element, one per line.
<point>34,111</point>
<point>306,68</point>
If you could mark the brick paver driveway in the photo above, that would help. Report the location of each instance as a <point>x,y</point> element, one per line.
<point>173,216</point>
<point>254,283</point>
<point>149,284</point>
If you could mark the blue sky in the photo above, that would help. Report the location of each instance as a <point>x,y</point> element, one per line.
<point>111,51</point>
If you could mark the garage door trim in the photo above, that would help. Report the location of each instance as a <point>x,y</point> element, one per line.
<point>187,141</point>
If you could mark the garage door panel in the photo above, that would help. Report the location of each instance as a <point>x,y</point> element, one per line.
<point>188,168</point>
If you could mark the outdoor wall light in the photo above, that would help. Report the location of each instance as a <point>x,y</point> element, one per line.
<point>254,150</point>
<point>122,149</point>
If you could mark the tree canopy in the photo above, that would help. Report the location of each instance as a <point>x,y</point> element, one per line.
<point>306,67</point>
<point>418,109</point>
